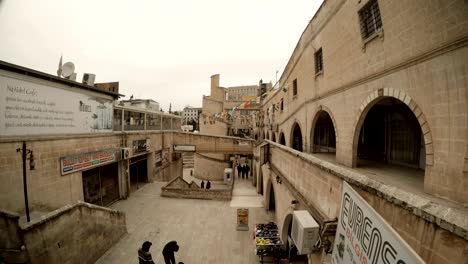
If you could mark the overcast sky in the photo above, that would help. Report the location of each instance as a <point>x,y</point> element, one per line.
<point>160,50</point>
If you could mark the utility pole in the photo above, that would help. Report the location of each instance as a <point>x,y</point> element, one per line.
<point>24,155</point>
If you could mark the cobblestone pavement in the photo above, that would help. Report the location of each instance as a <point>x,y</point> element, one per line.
<point>205,230</point>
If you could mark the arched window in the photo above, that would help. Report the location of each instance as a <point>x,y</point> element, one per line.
<point>391,134</point>
<point>282,139</point>
<point>324,139</point>
<point>296,139</point>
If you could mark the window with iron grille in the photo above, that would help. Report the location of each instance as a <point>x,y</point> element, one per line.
<point>318,61</point>
<point>369,17</point>
<point>295,87</point>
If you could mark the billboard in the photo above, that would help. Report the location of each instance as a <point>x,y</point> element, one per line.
<point>30,108</point>
<point>364,237</point>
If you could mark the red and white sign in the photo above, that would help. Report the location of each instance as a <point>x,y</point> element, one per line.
<point>363,236</point>
<point>70,164</point>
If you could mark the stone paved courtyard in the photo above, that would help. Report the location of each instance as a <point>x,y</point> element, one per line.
<point>205,230</point>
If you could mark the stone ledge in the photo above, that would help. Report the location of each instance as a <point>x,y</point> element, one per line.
<point>446,217</point>
<point>56,213</point>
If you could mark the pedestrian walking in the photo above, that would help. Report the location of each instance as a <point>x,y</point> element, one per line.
<point>208,184</point>
<point>168,252</point>
<point>144,257</point>
<point>202,185</point>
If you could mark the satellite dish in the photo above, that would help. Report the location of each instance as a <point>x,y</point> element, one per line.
<point>67,69</point>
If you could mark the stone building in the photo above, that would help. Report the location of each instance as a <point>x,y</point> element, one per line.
<point>242,93</point>
<point>191,115</point>
<point>226,111</point>
<point>148,104</point>
<point>374,94</point>
<point>82,146</point>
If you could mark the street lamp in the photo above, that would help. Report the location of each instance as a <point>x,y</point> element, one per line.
<point>24,154</point>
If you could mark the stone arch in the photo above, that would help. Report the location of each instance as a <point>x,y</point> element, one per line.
<point>273,136</point>
<point>296,140</point>
<point>282,139</point>
<point>286,227</point>
<point>270,201</point>
<point>375,97</point>
<point>321,114</point>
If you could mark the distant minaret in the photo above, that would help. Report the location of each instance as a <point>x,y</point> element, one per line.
<point>59,70</point>
<point>170,106</point>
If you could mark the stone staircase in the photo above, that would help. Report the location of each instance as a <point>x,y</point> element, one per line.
<point>188,159</point>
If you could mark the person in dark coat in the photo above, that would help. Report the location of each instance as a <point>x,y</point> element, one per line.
<point>168,252</point>
<point>144,257</point>
<point>239,171</point>
<point>202,185</point>
<point>208,184</point>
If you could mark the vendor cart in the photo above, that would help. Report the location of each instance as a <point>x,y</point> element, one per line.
<point>268,244</point>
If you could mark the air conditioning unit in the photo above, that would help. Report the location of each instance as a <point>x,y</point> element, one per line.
<point>305,232</point>
<point>88,78</point>
<point>126,153</point>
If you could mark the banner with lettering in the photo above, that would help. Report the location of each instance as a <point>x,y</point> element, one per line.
<point>74,163</point>
<point>29,108</point>
<point>364,237</point>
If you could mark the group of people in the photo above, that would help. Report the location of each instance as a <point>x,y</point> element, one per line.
<point>208,184</point>
<point>243,171</point>
<point>144,257</point>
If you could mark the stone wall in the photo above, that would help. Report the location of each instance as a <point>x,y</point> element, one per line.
<point>12,248</point>
<point>210,166</point>
<point>436,231</point>
<point>74,234</point>
<point>78,233</point>
<point>419,58</point>
<point>47,188</point>
<point>179,188</point>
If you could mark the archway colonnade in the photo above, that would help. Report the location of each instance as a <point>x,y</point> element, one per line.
<point>389,128</point>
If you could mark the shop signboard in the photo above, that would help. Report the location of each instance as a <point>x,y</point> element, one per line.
<point>242,219</point>
<point>363,236</point>
<point>140,146</point>
<point>74,163</point>
<point>157,158</point>
<point>30,108</point>
<point>184,148</point>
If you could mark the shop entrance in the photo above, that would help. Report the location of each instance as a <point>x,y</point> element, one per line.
<point>101,185</point>
<point>138,172</point>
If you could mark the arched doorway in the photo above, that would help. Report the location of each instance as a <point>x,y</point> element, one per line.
<point>268,136</point>
<point>282,139</point>
<point>287,228</point>
<point>273,137</point>
<point>296,138</point>
<point>391,134</point>
<point>323,134</point>
<point>271,197</point>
